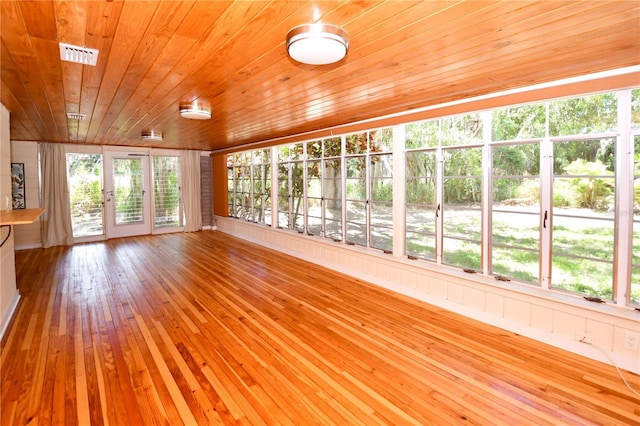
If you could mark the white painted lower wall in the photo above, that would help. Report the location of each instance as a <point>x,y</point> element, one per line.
<point>9,295</point>
<point>548,316</point>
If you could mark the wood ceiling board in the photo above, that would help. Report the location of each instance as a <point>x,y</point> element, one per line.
<point>403,55</point>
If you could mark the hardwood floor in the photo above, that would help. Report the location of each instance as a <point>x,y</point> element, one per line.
<point>203,328</point>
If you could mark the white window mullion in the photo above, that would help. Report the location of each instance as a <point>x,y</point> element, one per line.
<point>624,202</point>
<point>546,210</point>
<point>367,190</point>
<point>305,180</point>
<point>343,183</point>
<point>439,204</point>
<point>399,191</point>
<point>487,193</point>
<point>275,202</point>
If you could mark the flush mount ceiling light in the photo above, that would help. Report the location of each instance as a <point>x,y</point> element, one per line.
<point>317,44</point>
<point>150,135</point>
<point>194,111</point>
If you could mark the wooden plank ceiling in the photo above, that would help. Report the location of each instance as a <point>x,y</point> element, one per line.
<point>231,54</point>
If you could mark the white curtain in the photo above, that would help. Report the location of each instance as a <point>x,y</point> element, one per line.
<point>56,218</point>
<point>190,171</point>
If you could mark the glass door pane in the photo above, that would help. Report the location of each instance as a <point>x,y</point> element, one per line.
<point>84,174</point>
<point>127,199</point>
<point>166,192</point>
<point>128,192</point>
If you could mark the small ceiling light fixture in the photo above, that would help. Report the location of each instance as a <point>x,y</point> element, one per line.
<point>317,44</point>
<point>150,135</point>
<point>194,111</point>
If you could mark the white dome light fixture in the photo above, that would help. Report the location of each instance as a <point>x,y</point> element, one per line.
<point>317,44</point>
<point>194,111</point>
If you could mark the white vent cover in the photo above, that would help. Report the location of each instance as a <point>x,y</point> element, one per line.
<point>76,116</point>
<point>77,54</point>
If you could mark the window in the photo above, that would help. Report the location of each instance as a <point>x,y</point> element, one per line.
<point>261,186</point>
<point>166,192</point>
<point>84,173</point>
<point>421,204</point>
<point>462,191</point>
<point>231,185</point>
<point>291,187</point>
<point>381,189</point>
<point>461,208</point>
<point>313,187</point>
<point>515,214</point>
<point>368,188</point>
<point>529,192</point>
<point>332,188</point>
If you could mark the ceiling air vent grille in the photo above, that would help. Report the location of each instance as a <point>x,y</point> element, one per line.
<point>76,116</point>
<point>77,54</point>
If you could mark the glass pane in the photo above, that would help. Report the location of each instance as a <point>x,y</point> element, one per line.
<point>381,140</point>
<point>356,143</point>
<point>333,229</point>
<point>461,212</point>
<point>314,197</point>
<point>516,263</point>
<point>84,173</point>
<point>421,245</point>
<point>518,122</point>
<point>584,216</point>
<point>461,253</point>
<point>314,179</point>
<point>461,130</point>
<point>381,181</point>
<point>261,156</point>
<point>314,149</point>
<point>283,195</point>
<point>424,134</point>
<point>356,173</point>
<point>420,204</point>
<point>583,115</point>
<point>230,189</point>
<point>462,223</point>
<point>127,176</point>
<point>290,152</point>
<point>356,222</point>
<point>297,193</point>
<point>166,188</point>
<point>515,237</point>
<point>332,147</point>
<point>381,238</point>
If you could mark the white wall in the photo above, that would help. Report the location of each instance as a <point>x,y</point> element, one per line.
<point>28,236</point>
<point>551,317</point>
<point>9,295</point>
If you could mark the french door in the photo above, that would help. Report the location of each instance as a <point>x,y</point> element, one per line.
<point>127,195</point>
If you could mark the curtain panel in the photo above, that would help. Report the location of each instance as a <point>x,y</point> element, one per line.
<point>56,219</point>
<point>190,167</point>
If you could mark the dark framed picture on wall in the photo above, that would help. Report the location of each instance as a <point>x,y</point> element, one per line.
<point>17,186</point>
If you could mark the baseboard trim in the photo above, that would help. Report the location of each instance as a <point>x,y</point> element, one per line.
<point>28,246</point>
<point>9,316</point>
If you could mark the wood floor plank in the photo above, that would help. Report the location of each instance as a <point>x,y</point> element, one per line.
<point>203,328</point>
